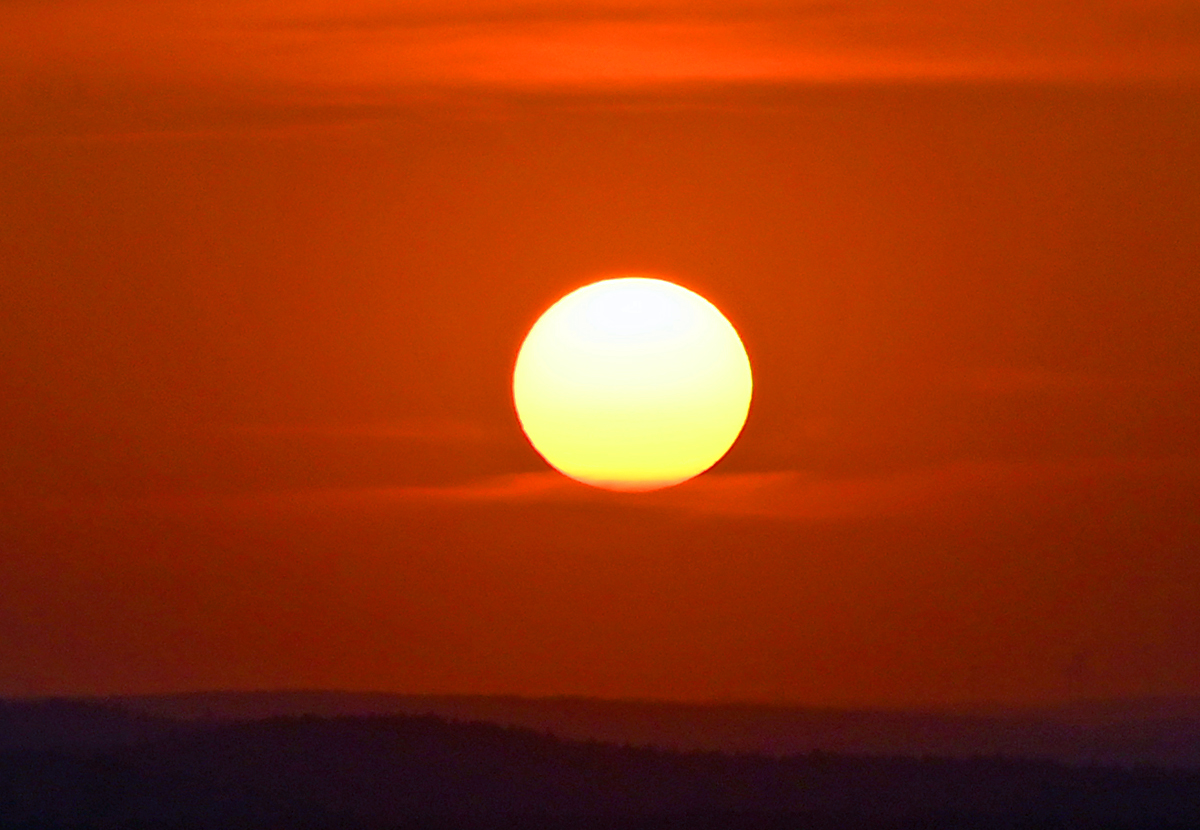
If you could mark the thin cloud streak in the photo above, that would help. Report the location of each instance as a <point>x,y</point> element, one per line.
<point>799,496</point>
<point>431,430</point>
<point>368,50</point>
<point>791,496</point>
<point>376,18</point>
<point>134,69</point>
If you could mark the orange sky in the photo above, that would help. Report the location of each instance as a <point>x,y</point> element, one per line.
<point>264,270</point>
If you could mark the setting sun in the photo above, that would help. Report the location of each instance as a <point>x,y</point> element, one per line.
<point>632,383</point>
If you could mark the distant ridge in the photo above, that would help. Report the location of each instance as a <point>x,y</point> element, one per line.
<point>49,724</point>
<point>374,772</point>
<point>1158,731</point>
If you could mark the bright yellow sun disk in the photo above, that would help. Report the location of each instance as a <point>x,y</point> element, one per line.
<point>632,384</point>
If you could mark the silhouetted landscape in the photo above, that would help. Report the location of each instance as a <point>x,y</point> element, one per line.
<point>83,763</point>
<point>1152,731</point>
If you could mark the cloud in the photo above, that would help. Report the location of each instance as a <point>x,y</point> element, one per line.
<point>786,495</point>
<point>375,17</point>
<point>366,49</point>
<point>137,68</point>
<point>799,496</point>
<point>416,429</point>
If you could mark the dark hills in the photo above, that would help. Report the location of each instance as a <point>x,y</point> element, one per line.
<point>1160,732</point>
<point>406,771</point>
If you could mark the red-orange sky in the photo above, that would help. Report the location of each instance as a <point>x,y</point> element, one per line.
<point>264,269</point>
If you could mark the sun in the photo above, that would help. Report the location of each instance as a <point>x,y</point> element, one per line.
<point>632,383</point>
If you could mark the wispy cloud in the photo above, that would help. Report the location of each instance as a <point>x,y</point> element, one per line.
<point>371,48</point>
<point>417,429</point>
<point>137,68</point>
<point>800,496</point>
<point>789,495</point>
<point>375,17</point>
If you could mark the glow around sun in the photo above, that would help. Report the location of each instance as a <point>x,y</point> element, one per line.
<point>632,383</point>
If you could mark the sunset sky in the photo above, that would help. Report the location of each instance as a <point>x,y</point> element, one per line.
<point>265,268</point>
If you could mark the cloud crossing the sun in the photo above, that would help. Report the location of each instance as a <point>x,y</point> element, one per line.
<point>790,496</point>
<point>797,496</point>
